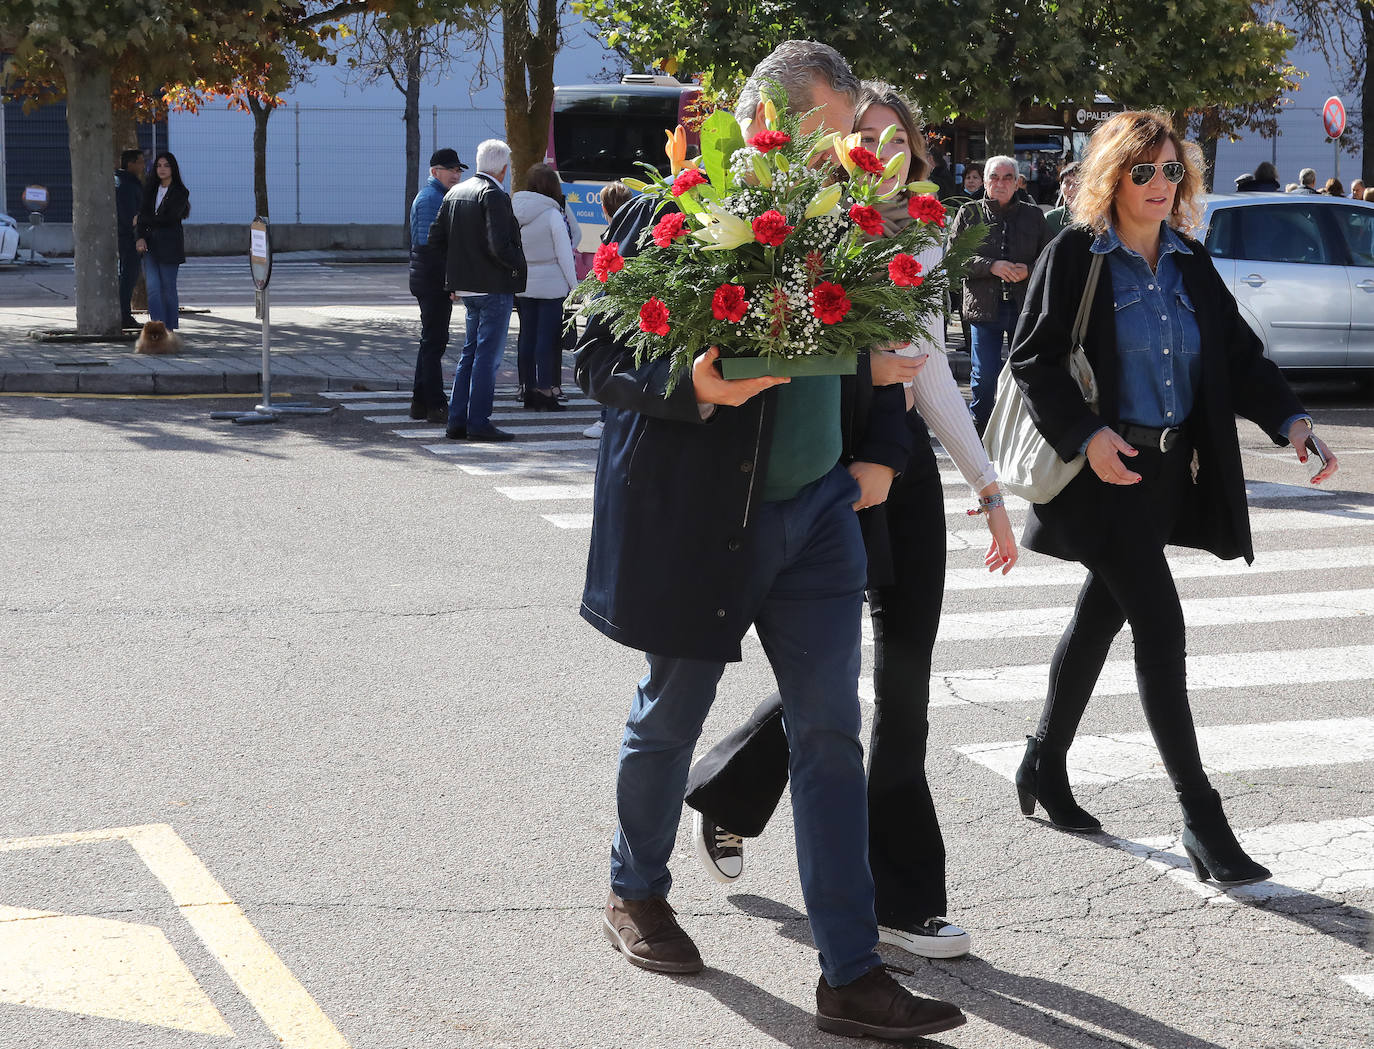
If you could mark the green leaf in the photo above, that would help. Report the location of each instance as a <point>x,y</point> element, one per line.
<point>720,136</point>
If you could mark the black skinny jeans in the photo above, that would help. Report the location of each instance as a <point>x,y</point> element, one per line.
<point>738,783</point>
<point>1130,581</point>
<point>436,312</point>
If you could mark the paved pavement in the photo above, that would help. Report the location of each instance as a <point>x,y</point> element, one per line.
<point>339,322</point>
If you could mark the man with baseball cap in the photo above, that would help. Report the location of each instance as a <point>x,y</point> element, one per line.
<point>427,285</point>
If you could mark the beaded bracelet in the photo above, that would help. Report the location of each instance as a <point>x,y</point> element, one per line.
<point>987,503</point>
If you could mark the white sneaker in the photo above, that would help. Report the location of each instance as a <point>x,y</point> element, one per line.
<point>594,430</point>
<point>720,852</point>
<point>933,938</point>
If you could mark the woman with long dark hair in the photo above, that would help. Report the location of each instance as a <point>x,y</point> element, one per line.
<point>166,204</point>
<point>736,786</point>
<point>1175,363</point>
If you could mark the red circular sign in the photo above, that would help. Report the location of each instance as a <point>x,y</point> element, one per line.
<point>1333,117</point>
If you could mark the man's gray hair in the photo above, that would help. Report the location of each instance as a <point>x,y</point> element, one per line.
<point>493,157</point>
<point>1000,161</point>
<point>795,66</point>
<point>1307,177</point>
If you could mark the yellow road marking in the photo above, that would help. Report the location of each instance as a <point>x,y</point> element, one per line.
<point>99,967</point>
<point>284,1005</point>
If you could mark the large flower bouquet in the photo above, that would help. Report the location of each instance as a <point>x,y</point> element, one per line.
<point>765,248</point>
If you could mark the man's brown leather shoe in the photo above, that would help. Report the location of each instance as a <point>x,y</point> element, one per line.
<point>878,1006</point>
<point>648,935</point>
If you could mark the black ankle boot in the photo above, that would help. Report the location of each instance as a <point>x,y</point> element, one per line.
<point>1043,777</point>
<point>1210,844</point>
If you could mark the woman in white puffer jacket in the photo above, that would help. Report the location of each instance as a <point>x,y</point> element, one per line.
<point>549,256</point>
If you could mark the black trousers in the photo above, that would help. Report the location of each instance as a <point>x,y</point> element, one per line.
<point>436,311</point>
<point>130,262</point>
<point>1130,581</point>
<point>738,783</point>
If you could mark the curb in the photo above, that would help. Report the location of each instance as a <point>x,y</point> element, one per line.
<point>155,383</point>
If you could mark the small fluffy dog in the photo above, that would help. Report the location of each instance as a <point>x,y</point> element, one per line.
<point>155,338</point>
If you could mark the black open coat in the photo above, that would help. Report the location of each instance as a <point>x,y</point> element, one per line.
<point>1236,380</point>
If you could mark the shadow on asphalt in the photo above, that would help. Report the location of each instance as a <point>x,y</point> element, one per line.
<point>1003,998</point>
<point>163,425</point>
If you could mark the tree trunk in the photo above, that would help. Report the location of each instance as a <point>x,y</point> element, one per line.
<point>1208,135</point>
<point>528,57</point>
<point>262,113</point>
<point>1000,132</point>
<point>90,136</point>
<point>1367,97</point>
<point>415,43</point>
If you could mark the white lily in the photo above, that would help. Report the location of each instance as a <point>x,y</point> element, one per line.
<point>724,230</point>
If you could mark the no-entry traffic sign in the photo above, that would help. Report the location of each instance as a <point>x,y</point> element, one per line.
<point>1333,117</point>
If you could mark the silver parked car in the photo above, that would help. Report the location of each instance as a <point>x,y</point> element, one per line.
<point>1302,268</point>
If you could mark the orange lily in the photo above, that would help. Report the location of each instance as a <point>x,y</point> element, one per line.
<point>676,149</point>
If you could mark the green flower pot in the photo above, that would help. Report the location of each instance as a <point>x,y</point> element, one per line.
<point>818,364</point>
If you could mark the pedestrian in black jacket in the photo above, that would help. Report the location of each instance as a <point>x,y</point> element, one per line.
<point>719,506</point>
<point>1175,362</point>
<point>128,199</point>
<point>476,234</point>
<point>166,204</point>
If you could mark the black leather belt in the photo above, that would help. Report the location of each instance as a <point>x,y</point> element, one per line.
<point>1150,436</point>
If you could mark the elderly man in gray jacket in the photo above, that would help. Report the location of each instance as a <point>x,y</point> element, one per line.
<point>995,282</point>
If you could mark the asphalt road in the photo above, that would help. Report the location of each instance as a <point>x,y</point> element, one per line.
<point>343,679</point>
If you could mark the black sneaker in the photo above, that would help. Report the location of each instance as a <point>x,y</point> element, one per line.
<point>418,409</point>
<point>878,1006</point>
<point>721,853</point>
<point>932,938</point>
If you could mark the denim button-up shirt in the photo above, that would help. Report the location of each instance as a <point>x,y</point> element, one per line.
<point>1159,349</point>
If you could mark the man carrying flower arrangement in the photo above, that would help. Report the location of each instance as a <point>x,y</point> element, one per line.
<point>721,503</point>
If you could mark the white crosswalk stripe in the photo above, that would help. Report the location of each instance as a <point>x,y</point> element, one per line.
<point>994,686</point>
<point>1330,856</point>
<point>1225,748</point>
<point>1364,983</point>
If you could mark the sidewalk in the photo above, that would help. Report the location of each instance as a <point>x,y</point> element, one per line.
<point>360,345</point>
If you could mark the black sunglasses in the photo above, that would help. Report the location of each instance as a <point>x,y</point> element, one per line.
<point>1141,174</point>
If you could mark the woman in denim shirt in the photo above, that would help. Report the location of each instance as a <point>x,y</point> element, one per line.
<point>1175,363</point>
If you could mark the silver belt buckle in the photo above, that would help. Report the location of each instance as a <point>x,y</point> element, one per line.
<point>1165,437</point>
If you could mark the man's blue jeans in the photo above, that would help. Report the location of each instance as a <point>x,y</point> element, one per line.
<point>161,279</point>
<point>474,385</point>
<point>985,349</point>
<point>805,563</point>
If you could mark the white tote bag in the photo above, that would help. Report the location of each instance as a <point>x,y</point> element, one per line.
<point>1027,466</point>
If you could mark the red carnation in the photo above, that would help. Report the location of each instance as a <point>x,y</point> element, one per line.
<point>867,219</point>
<point>866,160</point>
<point>687,178</point>
<point>653,317</point>
<point>829,302</point>
<point>607,261</point>
<point>769,140</point>
<point>771,229</point>
<point>729,303</point>
<point>669,228</point>
<point>926,208</point>
<point>905,271</point>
